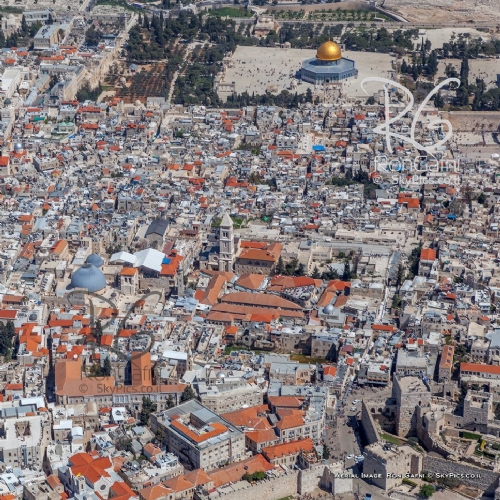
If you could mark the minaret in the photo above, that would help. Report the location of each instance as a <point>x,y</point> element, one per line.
<point>226,241</point>
<point>180,281</point>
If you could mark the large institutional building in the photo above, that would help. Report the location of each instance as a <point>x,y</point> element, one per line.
<point>328,66</point>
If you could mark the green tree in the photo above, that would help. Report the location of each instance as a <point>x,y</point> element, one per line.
<point>148,407</point>
<point>170,401</point>
<point>432,64</point>
<point>315,274</point>
<point>161,435</point>
<point>280,266</point>
<point>300,270</point>
<point>426,491</point>
<point>438,100</point>
<point>95,371</point>
<point>463,89</point>
<point>24,26</point>
<point>481,198</point>
<point>106,367</point>
<point>7,332</point>
<point>92,36</point>
<point>347,275</point>
<point>97,331</point>
<point>188,394</point>
<point>326,452</point>
<point>396,301</point>
<point>400,276</point>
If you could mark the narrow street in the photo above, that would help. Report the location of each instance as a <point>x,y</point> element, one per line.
<point>343,439</point>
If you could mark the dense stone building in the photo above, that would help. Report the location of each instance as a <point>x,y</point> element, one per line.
<point>156,232</point>
<point>446,363</point>
<point>261,260</point>
<point>199,437</point>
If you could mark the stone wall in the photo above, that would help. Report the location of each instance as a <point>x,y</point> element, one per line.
<point>368,426</point>
<point>269,489</point>
<point>309,479</point>
<point>290,484</point>
<point>485,480</point>
<point>309,8</point>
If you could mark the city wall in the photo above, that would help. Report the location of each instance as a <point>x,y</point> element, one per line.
<point>486,480</point>
<point>290,484</point>
<point>269,489</point>
<point>368,426</point>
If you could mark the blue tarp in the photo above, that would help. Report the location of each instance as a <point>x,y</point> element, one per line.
<point>166,260</point>
<point>318,148</point>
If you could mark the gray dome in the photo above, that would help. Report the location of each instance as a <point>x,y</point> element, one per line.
<point>220,375</point>
<point>18,147</point>
<point>95,260</point>
<point>88,277</point>
<point>328,309</point>
<point>33,317</point>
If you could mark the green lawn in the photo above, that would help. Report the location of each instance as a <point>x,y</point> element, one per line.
<point>119,3</point>
<point>230,12</point>
<point>302,358</point>
<point>237,222</point>
<point>11,10</point>
<point>229,349</point>
<point>392,439</point>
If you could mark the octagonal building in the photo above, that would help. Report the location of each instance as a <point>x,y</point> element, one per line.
<point>328,66</point>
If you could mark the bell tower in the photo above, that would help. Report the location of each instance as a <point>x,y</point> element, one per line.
<point>226,241</point>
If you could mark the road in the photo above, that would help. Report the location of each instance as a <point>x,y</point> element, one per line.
<point>343,440</point>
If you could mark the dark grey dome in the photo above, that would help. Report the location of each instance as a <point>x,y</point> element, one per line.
<point>33,317</point>
<point>88,277</point>
<point>18,147</point>
<point>95,260</point>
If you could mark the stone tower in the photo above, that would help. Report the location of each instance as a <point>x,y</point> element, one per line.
<point>189,363</point>
<point>409,393</point>
<point>180,281</point>
<point>226,241</point>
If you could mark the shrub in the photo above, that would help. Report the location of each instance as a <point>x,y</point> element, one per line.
<point>470,435</point>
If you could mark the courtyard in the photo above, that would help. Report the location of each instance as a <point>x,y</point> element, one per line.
<point>261,69</point>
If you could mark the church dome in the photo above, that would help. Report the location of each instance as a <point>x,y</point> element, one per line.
<point>329,51</point>
<point>328,309</point>
<point>95,260</point>
<point>89,278</point>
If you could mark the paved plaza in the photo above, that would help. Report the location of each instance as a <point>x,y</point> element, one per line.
<point>259,69</point>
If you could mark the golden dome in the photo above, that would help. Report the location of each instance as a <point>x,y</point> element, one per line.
<point>329,51</point>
